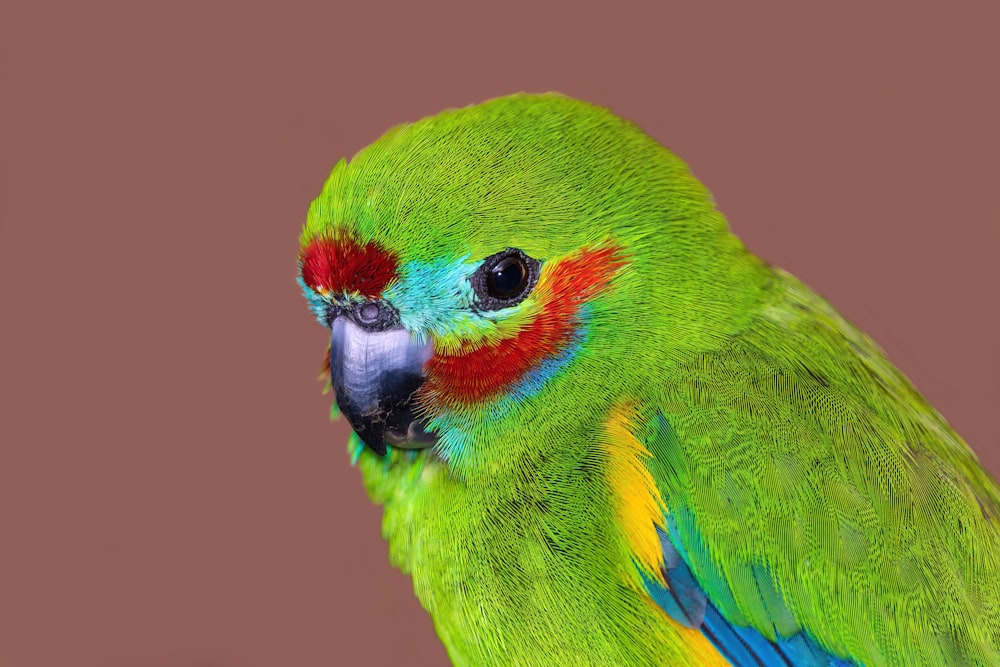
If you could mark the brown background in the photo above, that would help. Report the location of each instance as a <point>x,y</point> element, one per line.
<point>171,492</point>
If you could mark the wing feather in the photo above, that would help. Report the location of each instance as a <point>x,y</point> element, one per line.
<point>806,527</point>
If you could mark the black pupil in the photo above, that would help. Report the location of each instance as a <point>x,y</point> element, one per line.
<point>507,278</point>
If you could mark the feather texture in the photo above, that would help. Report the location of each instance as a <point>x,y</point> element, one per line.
<point>669,452</point>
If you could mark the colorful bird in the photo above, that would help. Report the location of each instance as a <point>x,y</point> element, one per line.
<point>604,433</point>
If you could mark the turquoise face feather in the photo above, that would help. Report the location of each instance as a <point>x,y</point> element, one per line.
<point>604,433</point>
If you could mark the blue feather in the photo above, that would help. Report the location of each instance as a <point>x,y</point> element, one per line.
<point>685,601</point>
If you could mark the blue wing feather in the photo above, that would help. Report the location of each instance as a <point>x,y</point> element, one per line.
<point>684,600</point>
<point>698,601</point>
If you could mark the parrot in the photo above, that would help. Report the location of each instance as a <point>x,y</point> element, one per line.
<point>603,432</point>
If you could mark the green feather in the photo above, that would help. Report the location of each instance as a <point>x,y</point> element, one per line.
<point>814,458</point>
<point>812,488</point>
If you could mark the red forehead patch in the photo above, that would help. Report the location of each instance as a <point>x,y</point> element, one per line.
<point>334,265</point>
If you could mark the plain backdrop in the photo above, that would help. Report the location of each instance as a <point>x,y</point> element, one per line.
<point>172,493</point>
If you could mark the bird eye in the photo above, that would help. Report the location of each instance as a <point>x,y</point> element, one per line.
<point>504,279</point>
<point>507,278</point>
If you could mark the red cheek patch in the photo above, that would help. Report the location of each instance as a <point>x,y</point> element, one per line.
<point>475,373</point>
<point>343,265</point>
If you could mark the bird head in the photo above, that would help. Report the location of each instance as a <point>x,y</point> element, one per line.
<point>496,274</point>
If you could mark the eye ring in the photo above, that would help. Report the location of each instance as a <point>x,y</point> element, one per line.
<point>504,279</point>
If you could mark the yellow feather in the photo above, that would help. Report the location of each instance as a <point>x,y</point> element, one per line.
<point>638,504</point>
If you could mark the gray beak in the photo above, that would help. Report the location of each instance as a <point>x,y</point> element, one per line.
<point>376,369</point>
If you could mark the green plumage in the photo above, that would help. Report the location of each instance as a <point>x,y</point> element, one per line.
<point>800,449</point>
<point>808,485</point>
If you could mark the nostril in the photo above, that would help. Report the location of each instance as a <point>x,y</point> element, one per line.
<point>374,315</point>
<point>369,313</point>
